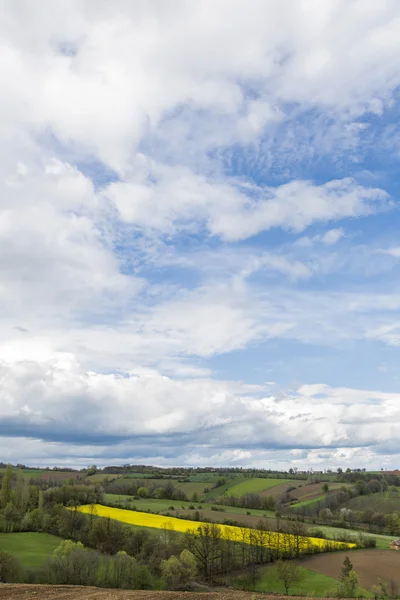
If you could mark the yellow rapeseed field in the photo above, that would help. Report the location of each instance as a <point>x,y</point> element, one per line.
<point>270,539</point>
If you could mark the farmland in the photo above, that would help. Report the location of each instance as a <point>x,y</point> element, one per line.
<point>232,533</point>
<point>66,592</point>
<point>371,565</point>
<point>384,502</point>
<point>32,549</point>
<point>255,486</point>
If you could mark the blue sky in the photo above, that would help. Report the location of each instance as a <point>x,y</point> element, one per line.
<point>199,247</point>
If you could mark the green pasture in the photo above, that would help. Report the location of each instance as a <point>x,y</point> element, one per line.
<point>313,584</point>
<point>384,502</point>
<point>32,549</point>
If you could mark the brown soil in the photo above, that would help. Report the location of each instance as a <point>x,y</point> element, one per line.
<point>313,490</point>
<point>280,489</point>
<point>370,565</point>
<point>66,592</point>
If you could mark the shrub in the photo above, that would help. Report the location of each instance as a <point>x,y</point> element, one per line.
<point>10,568</point>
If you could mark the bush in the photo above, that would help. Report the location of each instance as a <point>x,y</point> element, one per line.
<point>10,568</point>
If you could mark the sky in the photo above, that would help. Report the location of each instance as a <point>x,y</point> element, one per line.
<point>199,233</point>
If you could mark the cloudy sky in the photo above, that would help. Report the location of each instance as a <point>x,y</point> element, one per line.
<point>199,232</point>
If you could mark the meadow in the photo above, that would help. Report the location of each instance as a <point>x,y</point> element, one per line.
<point>32,549</point>
<point>383,502</point>
<point>313,584</point>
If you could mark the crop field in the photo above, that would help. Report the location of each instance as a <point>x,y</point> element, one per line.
<point>255,485</point>
<point>384,502</point>
<point>75,592</point>
<point>32,549</point>
<point>313,491</point>
<point>371,565</point>
<point>236,534</point>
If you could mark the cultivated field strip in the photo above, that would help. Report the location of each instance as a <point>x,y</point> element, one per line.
<point>270,539</point>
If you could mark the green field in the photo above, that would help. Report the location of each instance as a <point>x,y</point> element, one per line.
<point>28,473</point>
<point>165,505</point>
<point>313,584</point>
<point>254,485</point>
<point>384,502</point>
<point>382,541</point>
<point>32,549</point>
<point>308,502</point>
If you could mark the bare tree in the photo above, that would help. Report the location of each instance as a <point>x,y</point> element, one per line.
<point>288,573</point>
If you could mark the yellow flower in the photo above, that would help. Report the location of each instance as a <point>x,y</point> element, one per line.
<point>271,539</point>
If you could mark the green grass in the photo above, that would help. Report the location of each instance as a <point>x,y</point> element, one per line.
<point>32,549</point>
<point>28,473</point>
<point>308,502</point>
<point>254,485</point>
<point>164,505</point>
<point>384,502</point>
<point>382,541</point>
<point>312,584</point>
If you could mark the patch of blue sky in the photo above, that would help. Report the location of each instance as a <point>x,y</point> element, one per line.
<point>361,364</point>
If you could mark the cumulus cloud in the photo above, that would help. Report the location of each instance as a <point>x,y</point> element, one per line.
<point>148,209</point>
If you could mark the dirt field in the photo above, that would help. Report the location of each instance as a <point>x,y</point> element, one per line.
<point>313,490</point>
<point>64,592</point>
<point>370,565</point>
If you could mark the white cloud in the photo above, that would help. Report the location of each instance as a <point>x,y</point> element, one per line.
<point>166,94</point>
<point>184,201</point>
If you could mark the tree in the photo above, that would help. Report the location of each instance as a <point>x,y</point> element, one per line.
<point>289,574</point>
<point>325,488</point>
<point>21,492</point>
<point>143,492</point>
<point>6,487</point>
<point>206,546</point>
<point>10,568</point>
<point>346,568</point>
<point>348,579</point>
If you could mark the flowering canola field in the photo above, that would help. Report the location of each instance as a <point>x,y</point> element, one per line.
<point>270,539</point>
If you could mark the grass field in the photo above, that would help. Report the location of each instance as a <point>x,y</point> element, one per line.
<point>313,584</point>
<point>32,549</point>
<point>165,505</point>
<point>28,473</point>
<point>254,485</point>
<point>384,502</point>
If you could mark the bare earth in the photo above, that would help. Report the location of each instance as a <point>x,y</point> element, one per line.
<point>67,592</point>
<point>371,565</point>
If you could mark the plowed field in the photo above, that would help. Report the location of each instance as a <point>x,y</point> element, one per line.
<point>370,565</point>
<point>66,592</point>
